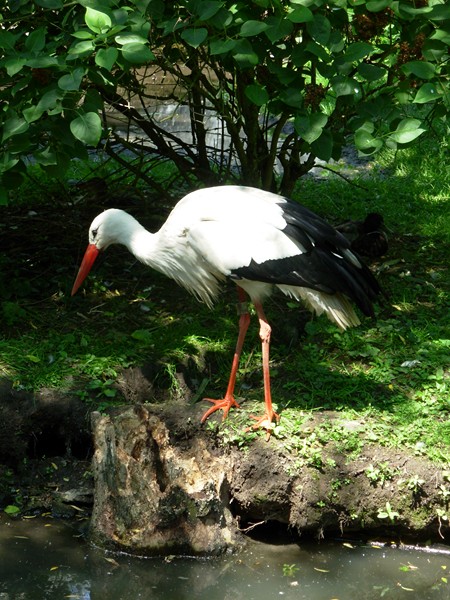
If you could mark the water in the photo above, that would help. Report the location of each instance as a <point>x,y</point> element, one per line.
<point>44,559</point>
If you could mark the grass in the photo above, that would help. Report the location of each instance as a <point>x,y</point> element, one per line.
<point>391,376</point>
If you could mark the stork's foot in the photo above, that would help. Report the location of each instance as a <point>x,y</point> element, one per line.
<point>267,422</point>
<point>223,404</point>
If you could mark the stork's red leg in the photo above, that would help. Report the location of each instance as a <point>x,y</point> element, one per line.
<point>264,333</point>
<point>228,400</point>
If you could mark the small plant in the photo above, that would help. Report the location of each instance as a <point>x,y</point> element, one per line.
<point>444,493</point>
<point>331,463</point>
<point>388,513</point>
<point>381,474</point>
<point>336,485</point>
<point>315,458</point>
<point>235,434</point>
<point>311,451</point>
<point>290,570</point>
<point>414,484</point>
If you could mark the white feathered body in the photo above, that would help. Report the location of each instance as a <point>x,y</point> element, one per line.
<point>258,239</point>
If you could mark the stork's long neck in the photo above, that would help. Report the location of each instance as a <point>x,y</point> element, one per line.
<point>141,243</point>
<point>164,252</point>
<point>157,250</point>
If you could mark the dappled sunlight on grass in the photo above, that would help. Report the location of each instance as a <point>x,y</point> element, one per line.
<point>390,376</point>
<point>411,188</point>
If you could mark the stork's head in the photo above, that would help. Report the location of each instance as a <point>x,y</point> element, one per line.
<point>107,228</point>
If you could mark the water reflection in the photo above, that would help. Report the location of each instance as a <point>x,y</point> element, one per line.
<point>46,559</point>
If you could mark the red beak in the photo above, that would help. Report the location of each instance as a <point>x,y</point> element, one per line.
<point>86,264</point>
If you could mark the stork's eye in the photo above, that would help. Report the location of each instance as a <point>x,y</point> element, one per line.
<point>94,233</point>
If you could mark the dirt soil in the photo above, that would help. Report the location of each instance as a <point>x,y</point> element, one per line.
<point>271,492</point>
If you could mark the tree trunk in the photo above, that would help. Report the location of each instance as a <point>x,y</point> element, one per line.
<point>156,494</point>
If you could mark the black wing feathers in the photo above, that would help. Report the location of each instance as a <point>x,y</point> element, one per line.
<point>322,267</point>
<point>304,220</point>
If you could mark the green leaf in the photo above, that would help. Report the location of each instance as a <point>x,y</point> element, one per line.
<point>87,128</point>
<point>419,68</point>
<point>6,162</point>
<point>440,12</point>
<point>98,22</point>
<point>14,126</point>
<point>109,392</point>
<point>371,72</point>
<point>412,10</point>
<point>377,5</point>
<point>46,157</point>
<point>251,28</point>
<point>221,20</point>
<point>323,147</point>
<point>14,65</point>
<point>318,51</point>
<point>257,94</point>
<point>32,113</point>
<point>407,130</point>
<point>364,140</point>
<point>328,105</point>
<point>8,40</point>
<point>194,36</point>
<point>221,46</point>
<point>319,29</point>
<point>82,34</point>
<point>33,358</point>
<point>434,50</point>
<point>42,62</point>
<point>300,15</point>
<point>357,51</point>
<point>442,35</point>
<point>278,28</point>
<point>137,54</point>
<point>80,49</point>
<point>93,101</point>
<point>310,128</point>
<point>206,10</point>
<point>426,93</point>
<point>106,57</point>
<point>403,96</point>
<point>292,96</point>
<point>11,510</point>
<point>36,40</point>
<point>71,81</point>
<point>50,100</point>
<point>130,38</point>
<point>344,86</point>
<point>244,54</point>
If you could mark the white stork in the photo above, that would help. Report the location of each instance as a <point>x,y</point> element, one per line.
<point>259,240</point>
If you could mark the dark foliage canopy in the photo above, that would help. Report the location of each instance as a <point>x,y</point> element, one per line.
<point>289,80</point>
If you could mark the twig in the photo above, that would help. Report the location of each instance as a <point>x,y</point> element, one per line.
<point>347,179</point>
<point>247,529</point>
